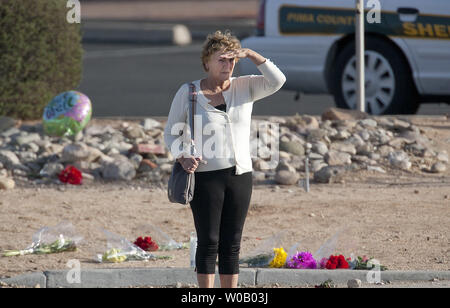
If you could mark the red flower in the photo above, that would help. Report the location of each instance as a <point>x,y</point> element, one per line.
<point>335,262</point>
<point>341,262</point>
<point>331,263</point>
<point>71,175</point>
<point>153,247</point>
<point>146,244</point>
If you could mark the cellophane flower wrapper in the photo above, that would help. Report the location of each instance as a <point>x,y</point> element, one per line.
<point>364,263</point>
<point>119,249</point>
<point>264,254</point>
<point>352,262</point>
<point>327,248</point>
<point>162,239</point>
<point>47,240</point>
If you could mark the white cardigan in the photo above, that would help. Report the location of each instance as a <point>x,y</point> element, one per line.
<point>221,138</point>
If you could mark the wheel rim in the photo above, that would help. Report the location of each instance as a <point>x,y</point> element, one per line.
<point>379,83</point>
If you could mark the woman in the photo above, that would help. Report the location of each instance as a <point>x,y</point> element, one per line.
<point>223,185</point>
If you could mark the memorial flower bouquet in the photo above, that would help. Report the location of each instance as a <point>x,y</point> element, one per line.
<point>301,260</point>
<point>364,263</point>
<point>265,254</point>
<point>71,175</point>
<point>60,245</point>
<point>47,240</point>
<point>279,258</point>
<point>334,262</point>
<point>159,240</point>
<point>119,249</point>
<point>259,260</point>
<point>146,243</point>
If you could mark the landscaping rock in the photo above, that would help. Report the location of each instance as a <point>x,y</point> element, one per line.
<point>27,138</point>
<point>368,123</point>
<point>343,114</point>
<point>285,177</point>
<point>51,169</point>
<point>259,176</point>
<point>75,152</point>
<point>399,159</point>
<point>6,183</point>
<point>442,156</point>
<point>345,147</point>
<point>319,147</point>
<point>341,138</point>
<point>354,283</point>
<point>149,124</point>
<point>8,159</point>
<point>316,165</point>
<point>330,174</point>
<point>119,170</point>
<point>336,158</point>
<point>438,167</point>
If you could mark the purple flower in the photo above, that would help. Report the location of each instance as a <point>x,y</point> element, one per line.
<point>323,263</point>
<point>302,260</point>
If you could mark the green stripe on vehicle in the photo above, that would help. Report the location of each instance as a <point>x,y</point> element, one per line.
<point>297,20</point>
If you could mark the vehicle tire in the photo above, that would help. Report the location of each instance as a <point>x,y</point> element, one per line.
<point>389,85</point>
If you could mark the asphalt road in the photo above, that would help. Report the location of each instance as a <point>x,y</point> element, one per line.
<point>141,80</point>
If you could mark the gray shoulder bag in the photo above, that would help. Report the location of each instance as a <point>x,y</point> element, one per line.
<point>181,183</point>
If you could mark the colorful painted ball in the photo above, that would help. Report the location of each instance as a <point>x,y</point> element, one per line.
<point>67,114</point>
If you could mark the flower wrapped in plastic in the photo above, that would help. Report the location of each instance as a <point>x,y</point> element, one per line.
<point>336,262</point>
<point>279,258</point>
<point>301,260</point>
<point>146,243</point>
<point>119,249</point>
<point>327,248</point>
<point>364,263</point>
<point>47,240</point>
<point>265,253</point>
<point>158,238</point>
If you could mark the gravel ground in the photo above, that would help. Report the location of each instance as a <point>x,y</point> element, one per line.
<point>399,218</point>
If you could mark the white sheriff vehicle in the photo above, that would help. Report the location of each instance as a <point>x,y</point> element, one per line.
<point>407,53</point>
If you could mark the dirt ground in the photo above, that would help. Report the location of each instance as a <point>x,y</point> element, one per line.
<point>400,218</point>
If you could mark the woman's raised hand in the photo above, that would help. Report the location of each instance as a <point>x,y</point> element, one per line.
<point>244,53</point>
<point>238,53</point>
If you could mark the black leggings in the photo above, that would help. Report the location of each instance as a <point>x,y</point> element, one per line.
<point>220,206</point>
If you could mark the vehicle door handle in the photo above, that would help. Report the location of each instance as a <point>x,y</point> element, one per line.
<point>407,14</point>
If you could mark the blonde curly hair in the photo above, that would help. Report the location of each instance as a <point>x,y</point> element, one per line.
<point>217,41</point>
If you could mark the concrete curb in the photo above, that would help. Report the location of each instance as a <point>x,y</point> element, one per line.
<point>171,34</point>
<point>160,33</point>
<point>313,277</point>
<point>158,277</point>
<point>134,277</point>
<point>27,280</point>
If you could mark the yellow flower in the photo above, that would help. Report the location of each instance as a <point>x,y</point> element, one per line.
<point>280,258</point>
<point>114,255</point>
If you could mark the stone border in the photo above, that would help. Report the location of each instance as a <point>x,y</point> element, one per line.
<point>315,277</point>
<point>159,277</point>
<point>117,32</point>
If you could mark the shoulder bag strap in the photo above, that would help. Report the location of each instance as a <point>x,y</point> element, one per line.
<point>193,100</point>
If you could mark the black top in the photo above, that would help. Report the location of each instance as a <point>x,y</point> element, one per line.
<point>222,107</point>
